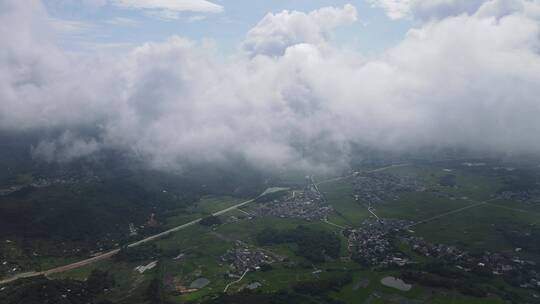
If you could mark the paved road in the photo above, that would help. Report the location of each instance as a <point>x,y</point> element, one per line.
<point>76,265</point>
<point>175,229</point>
<point>231,283</point>
<point>109,254</point>
<point>387,167</point>
<point>332,180</point>
<point>333,224</point>
<point>351,175</point>
<point>486,202</point>
<point>372,212</point>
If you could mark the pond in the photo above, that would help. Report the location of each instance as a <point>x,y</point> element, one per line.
<point>396,283</point>
<point>199,283</point>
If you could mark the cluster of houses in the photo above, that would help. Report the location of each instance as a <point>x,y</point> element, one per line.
<point>373,245</point>
<point>10,190</point>
<point>7,267</point>
<point>308,204</point>
<point>427,249</point>
<point>377,187</point>
<point>242,258</point>
<point>524,196</point>
<point>493,263</point>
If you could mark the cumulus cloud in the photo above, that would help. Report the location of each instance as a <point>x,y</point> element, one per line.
<point>40,83</point>
<point>66,148</point>
<point>468,80</point>
<point>276,32</point>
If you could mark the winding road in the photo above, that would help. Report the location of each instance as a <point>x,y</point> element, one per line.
<point>231,283</point>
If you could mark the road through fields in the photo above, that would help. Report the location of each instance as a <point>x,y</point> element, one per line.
<point>108,254</point>
<point>111,253</point>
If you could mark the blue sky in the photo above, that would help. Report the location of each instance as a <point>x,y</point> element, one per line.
<point>90,24</point>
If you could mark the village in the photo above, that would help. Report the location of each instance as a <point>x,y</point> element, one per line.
<point>243,258</point>
<point>530,197</point>
<point>375,244</point>
<point>492,263</point>
<point>308,204</point>
<point>377,187</point>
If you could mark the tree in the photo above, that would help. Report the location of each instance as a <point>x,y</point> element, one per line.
<point>210,221</point>
<point>153,292</point>
<point>312,244</point>
<point>99,281</point>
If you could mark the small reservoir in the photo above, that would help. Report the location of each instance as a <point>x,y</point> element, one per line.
<point>396,283</point>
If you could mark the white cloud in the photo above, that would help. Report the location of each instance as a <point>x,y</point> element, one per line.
<point>70,26</point>
<point>275,32</point>
<point>470,80</point>
<point>395,9</point>
<point>169,9</point>
<point>66,148</point>
<point>196,18</point>
<point>121,21</point>
<point>58,5</point>
<point>428,9</point>
<point>500,8</point>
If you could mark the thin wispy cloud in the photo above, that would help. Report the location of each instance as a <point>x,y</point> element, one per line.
<point>121,21</point>
<point>434,9</point>
<point>395,9</point>
<point>196,18</point>
<point>170,9</point>
<point>70,26</point>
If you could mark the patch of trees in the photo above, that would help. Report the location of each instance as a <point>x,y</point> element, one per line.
<point>144,252</point>
<point>312,244</point>
<point>282,297</point>
<point>443,270</point>
<point>447,180</point>
<point>40,290</point>
<point>105,193</point>
<point>516,277</point>
<point>271,196</point>
<point>99,281</point>
<point>153,292</point>
<point>443,275</point>
<point>266,267</point>
<point>465,287</point>
<point>527,240</point>
<point>210,221</point>
<point>324,286</point>
<point>520,180</point>
<point>43,291</point>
